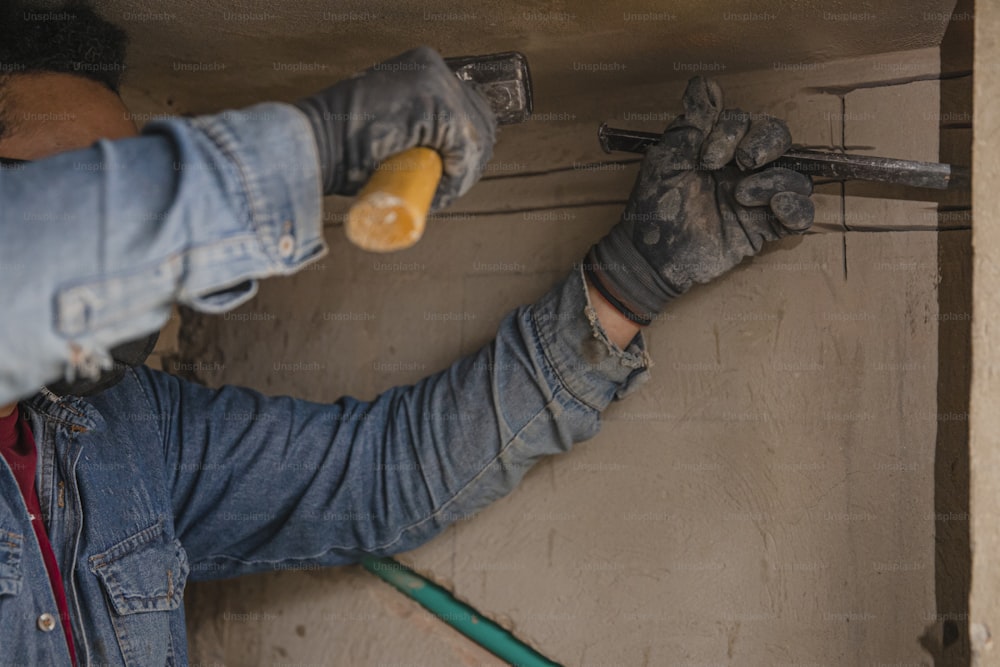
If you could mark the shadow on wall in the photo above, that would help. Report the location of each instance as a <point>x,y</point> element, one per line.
<point>947,634</point>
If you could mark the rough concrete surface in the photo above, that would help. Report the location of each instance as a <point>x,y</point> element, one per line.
<point>346,621</point>
<point>767,498</point>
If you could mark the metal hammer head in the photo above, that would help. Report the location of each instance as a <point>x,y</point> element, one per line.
<point>504,79</point>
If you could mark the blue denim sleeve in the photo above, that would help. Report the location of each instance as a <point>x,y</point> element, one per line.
<point>98,243</point>
<point>266,483</point>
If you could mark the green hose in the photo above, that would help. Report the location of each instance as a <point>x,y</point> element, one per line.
<point>457,614</point>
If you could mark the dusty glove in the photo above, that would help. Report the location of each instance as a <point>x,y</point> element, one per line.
<point>696,210</point>
<point>411,100</point>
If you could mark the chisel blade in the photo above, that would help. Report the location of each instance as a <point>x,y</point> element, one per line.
<point>822,164</point>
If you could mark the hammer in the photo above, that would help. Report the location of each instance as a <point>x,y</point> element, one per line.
<point>390,212</point>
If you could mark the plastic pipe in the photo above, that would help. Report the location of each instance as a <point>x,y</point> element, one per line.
<point>457,614</point>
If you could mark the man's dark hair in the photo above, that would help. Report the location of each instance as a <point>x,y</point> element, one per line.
<point>70,39</point>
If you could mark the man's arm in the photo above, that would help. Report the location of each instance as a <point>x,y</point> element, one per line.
<point>98,243</point>
<point>262,483</point>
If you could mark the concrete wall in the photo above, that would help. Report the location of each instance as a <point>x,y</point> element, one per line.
<point>768,498</point>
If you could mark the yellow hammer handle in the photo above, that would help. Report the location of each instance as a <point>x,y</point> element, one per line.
<point>391,210</point>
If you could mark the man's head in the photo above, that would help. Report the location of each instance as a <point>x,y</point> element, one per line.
<point>60,71</point>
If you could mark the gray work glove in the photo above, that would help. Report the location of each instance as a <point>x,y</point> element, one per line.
<point>697,208</point>
<point>411,100</point>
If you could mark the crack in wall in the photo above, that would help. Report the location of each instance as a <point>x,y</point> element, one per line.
<point>901,81</point>
<point>843,190</point>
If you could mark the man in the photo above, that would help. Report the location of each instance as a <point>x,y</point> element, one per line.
<point>117,490</point>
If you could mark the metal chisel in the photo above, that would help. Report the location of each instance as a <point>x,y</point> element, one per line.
<point>822,164</point>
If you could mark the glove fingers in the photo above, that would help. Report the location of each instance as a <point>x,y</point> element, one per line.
<point>679,149</point>
<point>779,195</point>
<point>793,210</point>
<point>758,189</point>
<point>702,103</point>
<point>758,226</point>
<point>463,165</point>
<point>720,147</point>
<point>747,228</point>
<point>767,139</point>
<point>445,113</point>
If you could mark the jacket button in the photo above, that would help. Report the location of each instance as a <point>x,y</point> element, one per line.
<point>46,622</point>
<point>286,246</point>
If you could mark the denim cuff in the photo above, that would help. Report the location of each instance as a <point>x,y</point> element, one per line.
<point>586,361</point>
<point>274,150</point>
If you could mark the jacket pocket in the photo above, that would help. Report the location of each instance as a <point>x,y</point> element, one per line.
<point>143,579</point>
<point>10,562</point>
<point>146,572</point>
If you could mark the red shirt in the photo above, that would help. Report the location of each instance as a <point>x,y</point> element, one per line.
<point>17,446</point>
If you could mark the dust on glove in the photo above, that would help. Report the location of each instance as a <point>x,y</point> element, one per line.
<point>411,100</point>
<point>704,199</point>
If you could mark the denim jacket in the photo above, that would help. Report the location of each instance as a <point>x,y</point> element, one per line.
<point>158,481</point>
